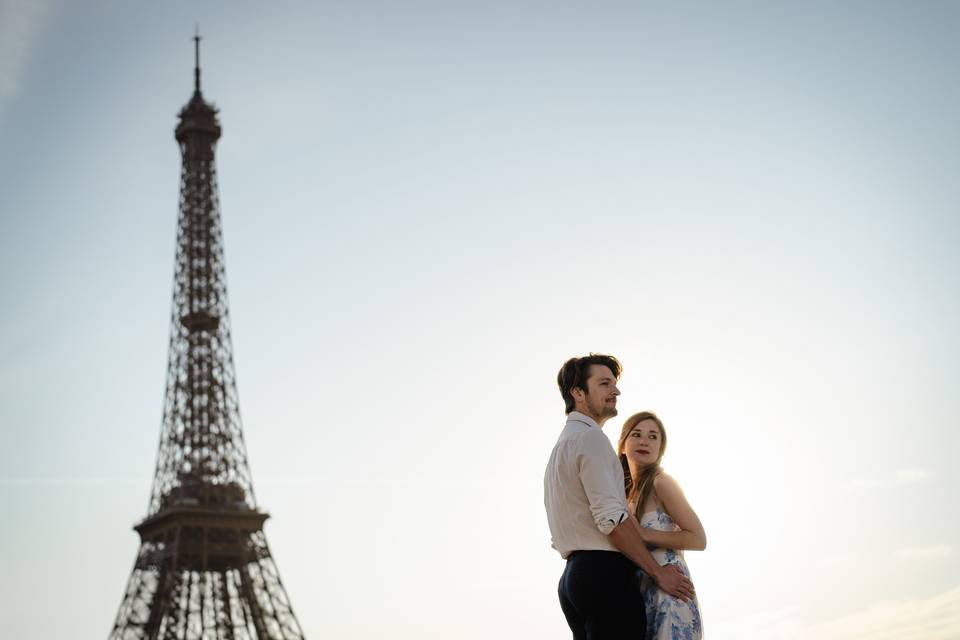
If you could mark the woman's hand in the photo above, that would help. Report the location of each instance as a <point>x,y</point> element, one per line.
<point>644,534</point>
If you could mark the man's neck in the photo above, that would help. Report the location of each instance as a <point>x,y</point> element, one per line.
<point>597,419</point>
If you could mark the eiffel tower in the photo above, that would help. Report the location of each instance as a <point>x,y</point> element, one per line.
<point>204,570</point>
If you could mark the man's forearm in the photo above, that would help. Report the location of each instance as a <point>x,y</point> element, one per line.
<point>626,537</point>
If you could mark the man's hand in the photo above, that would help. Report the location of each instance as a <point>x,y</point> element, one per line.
<point>671,580</point>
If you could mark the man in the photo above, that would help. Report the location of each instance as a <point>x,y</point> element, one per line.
<point>583,491</point>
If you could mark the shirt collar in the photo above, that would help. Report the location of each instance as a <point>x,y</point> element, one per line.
<point>576,416</point>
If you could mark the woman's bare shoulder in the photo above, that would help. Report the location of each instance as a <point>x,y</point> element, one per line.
<point>664,482</point>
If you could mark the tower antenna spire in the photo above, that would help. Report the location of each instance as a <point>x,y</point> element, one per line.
<point>196,56</point>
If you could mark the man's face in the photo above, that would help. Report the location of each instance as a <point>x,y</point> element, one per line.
<point>600,400</point>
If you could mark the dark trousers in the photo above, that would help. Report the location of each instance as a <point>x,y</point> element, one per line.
<point>601,598</point>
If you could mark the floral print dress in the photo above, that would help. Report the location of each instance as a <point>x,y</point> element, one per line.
<point>668,618</point>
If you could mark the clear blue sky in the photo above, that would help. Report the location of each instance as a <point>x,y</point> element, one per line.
<point>428,207</point>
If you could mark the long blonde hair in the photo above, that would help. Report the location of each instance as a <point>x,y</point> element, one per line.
<point>642,487</point>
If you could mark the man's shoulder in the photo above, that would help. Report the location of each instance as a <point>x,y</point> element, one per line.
<point>573,431</point>
<point>581,435</point>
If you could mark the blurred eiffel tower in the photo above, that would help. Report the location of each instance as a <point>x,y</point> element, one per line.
<point>204,570</point>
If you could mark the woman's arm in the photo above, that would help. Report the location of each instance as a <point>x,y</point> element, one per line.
<point>691,535</point>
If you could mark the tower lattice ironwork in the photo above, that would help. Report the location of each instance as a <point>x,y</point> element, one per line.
<point>204,570</point>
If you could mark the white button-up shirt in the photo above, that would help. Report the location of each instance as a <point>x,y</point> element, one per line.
<point>583,488</point>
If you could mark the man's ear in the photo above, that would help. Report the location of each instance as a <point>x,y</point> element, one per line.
<point>578,394</point>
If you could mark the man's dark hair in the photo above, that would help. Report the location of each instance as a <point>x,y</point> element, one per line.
<point>574,372</point>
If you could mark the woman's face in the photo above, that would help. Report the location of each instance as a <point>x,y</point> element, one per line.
<point>642,446</point>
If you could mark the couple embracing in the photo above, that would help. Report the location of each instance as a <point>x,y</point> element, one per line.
<point>606,509</point>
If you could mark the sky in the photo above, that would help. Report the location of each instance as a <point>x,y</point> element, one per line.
<point>427,208</point>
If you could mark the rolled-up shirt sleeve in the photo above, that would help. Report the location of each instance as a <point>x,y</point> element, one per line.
<point>602,479</point>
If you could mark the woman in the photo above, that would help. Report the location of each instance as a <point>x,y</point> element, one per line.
<point>668,523</point>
